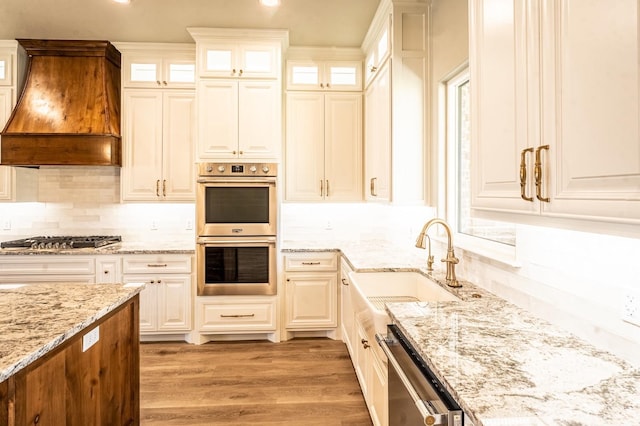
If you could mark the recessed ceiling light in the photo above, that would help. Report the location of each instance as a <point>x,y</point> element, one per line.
<point>270,3</point>
<point>122,1</point>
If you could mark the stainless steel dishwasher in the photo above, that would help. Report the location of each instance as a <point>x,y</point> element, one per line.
<point>416,397</point>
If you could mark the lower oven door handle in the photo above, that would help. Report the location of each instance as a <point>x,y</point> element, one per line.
<point>429,416</point>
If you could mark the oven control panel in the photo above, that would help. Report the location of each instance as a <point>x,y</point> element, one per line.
<point>237,169</point>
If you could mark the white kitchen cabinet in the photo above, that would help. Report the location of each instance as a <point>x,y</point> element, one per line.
<point>236,314</point>
<point>371,370</point>
<point>377,134</point>
<point>324,147</point>
<point>378,51</point>
<point>537,94</point>
<point>239,59</point>
<point>108,269</point>
<point>47,268</point>
<point>158,65</point>
<point>311,291</point>
<point>346,308</point>
<point>329,75</point>
<point>158,121</point>
<point>166,301</point>
<point>361,358</point>
<point>16,183</point>
<point>6,105</point>
<point>395,103</point>
<point>239,119</point>
<point>6,65</point>
<point>378,389</point>
<point>369,362</point>
<point>239,93</point>
<point>159,144</point>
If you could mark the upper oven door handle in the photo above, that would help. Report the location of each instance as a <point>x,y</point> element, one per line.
<point>239,180</point>
<point>426,411</point>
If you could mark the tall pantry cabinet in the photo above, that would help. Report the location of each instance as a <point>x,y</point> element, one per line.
<point>323,127</point>
<point>555,104</point>
<point>395,103</point>
<point>158,122</point>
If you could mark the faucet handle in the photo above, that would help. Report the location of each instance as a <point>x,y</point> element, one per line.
<point>451,259</point>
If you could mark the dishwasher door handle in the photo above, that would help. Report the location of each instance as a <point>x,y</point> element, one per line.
<point>429,416</point>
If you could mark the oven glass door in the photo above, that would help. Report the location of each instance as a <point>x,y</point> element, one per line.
<point>236,207</point>
<point>236,266</point>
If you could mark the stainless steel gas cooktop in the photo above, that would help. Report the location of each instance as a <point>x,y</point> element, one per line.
<point>62,242</point>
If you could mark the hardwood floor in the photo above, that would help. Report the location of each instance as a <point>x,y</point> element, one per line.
<point>299,382</point>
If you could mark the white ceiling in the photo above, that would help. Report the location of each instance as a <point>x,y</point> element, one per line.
<point>340,23</point>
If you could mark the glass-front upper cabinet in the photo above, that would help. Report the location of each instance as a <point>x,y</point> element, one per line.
<point>324,75</point>
<point>5,69</point>
<point>377,54</point>
<point>164,68</point>
<point>241,59</point>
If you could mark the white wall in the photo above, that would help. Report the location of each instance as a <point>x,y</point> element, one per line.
<point>86,201</point>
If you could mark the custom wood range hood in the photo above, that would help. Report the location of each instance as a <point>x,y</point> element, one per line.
<point>69,110</point>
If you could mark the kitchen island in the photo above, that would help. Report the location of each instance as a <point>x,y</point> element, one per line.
<point>69,354</point>
<point>502,365</point>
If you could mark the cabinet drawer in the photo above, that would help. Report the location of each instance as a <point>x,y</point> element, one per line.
<point>49,265</point>
<point>249,315</point>
<point>324,261</point>
<point>160,264</point>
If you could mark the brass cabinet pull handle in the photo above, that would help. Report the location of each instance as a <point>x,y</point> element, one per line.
<point>523,174</point>
<point>537,171</point>
<point>327,193</point>
<point>156,265</point>
<point>158,188</point>
<point>344,282</point>
<point>372,187</point>
<point>321,187</point>
<point>238,316</point>
<point>310,263</point>
<point>164,187</point>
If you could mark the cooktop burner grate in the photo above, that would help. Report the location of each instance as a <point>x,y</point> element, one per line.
<point>62,242</point>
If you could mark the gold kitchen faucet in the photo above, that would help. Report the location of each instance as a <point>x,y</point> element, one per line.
<point>451,258</point>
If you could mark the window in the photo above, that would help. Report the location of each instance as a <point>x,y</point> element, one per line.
<point>458,164</point>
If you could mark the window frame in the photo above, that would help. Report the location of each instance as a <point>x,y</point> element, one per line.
<point>448,134</point>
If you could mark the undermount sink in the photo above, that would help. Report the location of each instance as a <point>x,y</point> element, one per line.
<point>371,290</point>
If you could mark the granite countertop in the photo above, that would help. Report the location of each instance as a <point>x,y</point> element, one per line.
<point>148,247</point>
<point>36,318</point>
<point>503,365</point>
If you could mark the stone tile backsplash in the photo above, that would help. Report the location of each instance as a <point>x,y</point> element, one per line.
<point>76,200</point>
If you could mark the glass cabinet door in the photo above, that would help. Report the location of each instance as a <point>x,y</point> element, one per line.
<point>5,69</point>
<point>258,60</point>
<point>334,75</point>
<point>239,60</point>
<point>158,71</point>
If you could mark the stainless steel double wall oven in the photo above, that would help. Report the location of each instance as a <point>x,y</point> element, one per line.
<point>236,217</point>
